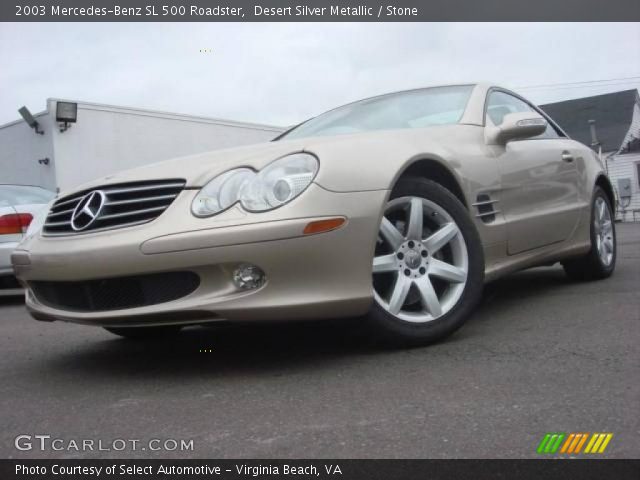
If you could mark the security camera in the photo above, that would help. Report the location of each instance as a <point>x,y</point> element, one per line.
<point>32,122</point>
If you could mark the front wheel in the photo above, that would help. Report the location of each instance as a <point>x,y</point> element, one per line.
<point>600,262</point>
<point>145,333</point>
<point>428,267</point>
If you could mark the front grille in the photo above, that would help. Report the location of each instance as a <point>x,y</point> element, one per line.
<point>123,205</point>
<point>116,293</point>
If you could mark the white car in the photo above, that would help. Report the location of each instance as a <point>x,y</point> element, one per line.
<point>19,204</point>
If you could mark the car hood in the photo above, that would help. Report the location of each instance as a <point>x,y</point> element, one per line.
<point>198,169</point>
<point>340,156</point>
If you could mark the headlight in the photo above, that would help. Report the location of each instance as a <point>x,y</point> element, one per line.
<point>279,182</point>
<point>221,192</point>
<point>276,184</point>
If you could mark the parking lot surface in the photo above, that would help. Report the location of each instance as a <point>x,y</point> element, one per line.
<point>541,354</point>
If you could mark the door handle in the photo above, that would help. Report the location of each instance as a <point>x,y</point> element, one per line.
<point>567,157</point>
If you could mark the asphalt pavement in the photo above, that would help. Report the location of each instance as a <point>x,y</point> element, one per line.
<point>541,354</point>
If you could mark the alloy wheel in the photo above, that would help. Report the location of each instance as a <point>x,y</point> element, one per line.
<point>604,231</point>
<point>421,262</point>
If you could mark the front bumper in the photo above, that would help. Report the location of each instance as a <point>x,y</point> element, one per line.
<point>314,276</point>
<point>7,279</point>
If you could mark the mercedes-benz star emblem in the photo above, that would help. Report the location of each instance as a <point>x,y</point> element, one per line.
<point>412,259</point>
<point>87,211</point>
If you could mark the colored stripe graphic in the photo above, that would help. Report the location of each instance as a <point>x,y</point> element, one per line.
<point>598,443</point>
<point>594,437</point>
<point>543,443</point>
<point>557,443</point>
<point>568,442</point>
<point>550,443</point>
<point>607,439</point>
<point>581,443</point>
<point>572,443</point>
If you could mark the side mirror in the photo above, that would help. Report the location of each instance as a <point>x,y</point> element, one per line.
<point>518,125</point>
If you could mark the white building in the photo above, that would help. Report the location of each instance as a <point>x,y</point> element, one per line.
<point>106,139</point>
<point>616,119</point>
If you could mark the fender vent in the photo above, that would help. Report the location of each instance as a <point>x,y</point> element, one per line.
<point>486,208</point>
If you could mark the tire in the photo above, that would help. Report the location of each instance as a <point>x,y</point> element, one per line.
<point>145,333</point>
<point>600,262</point>
<point>421,320</point>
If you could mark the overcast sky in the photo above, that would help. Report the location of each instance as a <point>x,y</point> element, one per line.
<point>282,73</point>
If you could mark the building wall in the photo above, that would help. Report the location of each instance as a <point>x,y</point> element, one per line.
<point>20,150</point>
<point>626,166</point>
<point>108,139</point>
<point>634,128</point>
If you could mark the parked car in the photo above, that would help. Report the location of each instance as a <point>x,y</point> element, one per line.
<point>396,208</point>
<point>18,205</point>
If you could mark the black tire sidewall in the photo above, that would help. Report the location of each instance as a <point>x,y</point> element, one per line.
<point>396,330</point>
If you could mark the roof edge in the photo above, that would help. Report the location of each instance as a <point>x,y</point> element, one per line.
<point>161,113</point>
<point>20,120</point>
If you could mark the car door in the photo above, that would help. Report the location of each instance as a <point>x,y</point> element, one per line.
<point>539,180</point>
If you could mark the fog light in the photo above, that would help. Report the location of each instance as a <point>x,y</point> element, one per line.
<point>248,277</point>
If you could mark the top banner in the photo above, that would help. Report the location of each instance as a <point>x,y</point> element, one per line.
<point>320,11</point>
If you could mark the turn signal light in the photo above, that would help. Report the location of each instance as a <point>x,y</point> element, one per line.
<point>320,226</point>
<point>15,223</point>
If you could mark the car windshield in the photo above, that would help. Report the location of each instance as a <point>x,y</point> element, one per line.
<point>411,109</point>
<point>23,195</point>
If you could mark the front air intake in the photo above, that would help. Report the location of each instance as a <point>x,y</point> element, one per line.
<point>115,293</point>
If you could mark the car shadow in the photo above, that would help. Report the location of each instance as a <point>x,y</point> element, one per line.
<point>222,349</point>
<point>282,347</point>
<point>521,286</point>
<point>11,300</point>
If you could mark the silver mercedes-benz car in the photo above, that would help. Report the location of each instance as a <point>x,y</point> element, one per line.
<point>396,209</point>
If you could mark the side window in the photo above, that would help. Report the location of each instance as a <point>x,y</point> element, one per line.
<point>501,103</point>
